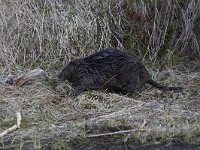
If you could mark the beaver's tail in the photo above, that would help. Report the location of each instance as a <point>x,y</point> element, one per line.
<point>164,88</point>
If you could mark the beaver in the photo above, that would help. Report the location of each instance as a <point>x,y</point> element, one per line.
<point>111,69</point>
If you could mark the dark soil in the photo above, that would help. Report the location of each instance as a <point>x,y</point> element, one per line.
<point>113,143</point>
<point>100,143</point>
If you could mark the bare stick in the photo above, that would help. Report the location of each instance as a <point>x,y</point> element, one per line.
<point>19,118</point>
<point>28,76</point>
<point>112,133</point>
<point>16,126</point>
<point>119,132</point>
<point>143,124</point>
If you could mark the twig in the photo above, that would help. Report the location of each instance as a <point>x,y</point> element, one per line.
<point>119,132</point>
<point>143,124</point>
<point>112,133</point>
<point>19,118</point>
<point>16,126</point>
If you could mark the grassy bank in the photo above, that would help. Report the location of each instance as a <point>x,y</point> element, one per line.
<point>150,117</point>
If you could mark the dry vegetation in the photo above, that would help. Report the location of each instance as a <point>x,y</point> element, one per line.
<point>46,33</point>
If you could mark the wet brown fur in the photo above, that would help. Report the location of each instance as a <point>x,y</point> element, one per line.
<point>110,69</point>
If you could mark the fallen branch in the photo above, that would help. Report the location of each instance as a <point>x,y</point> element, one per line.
<point>112,133</point>
<point>21,80</point>
<point>16,126</point>
<point>120,132</point>
<point>26,77</point>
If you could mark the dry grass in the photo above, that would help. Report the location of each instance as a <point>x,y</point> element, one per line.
<point>46,33</point>
<point>46,114</point>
